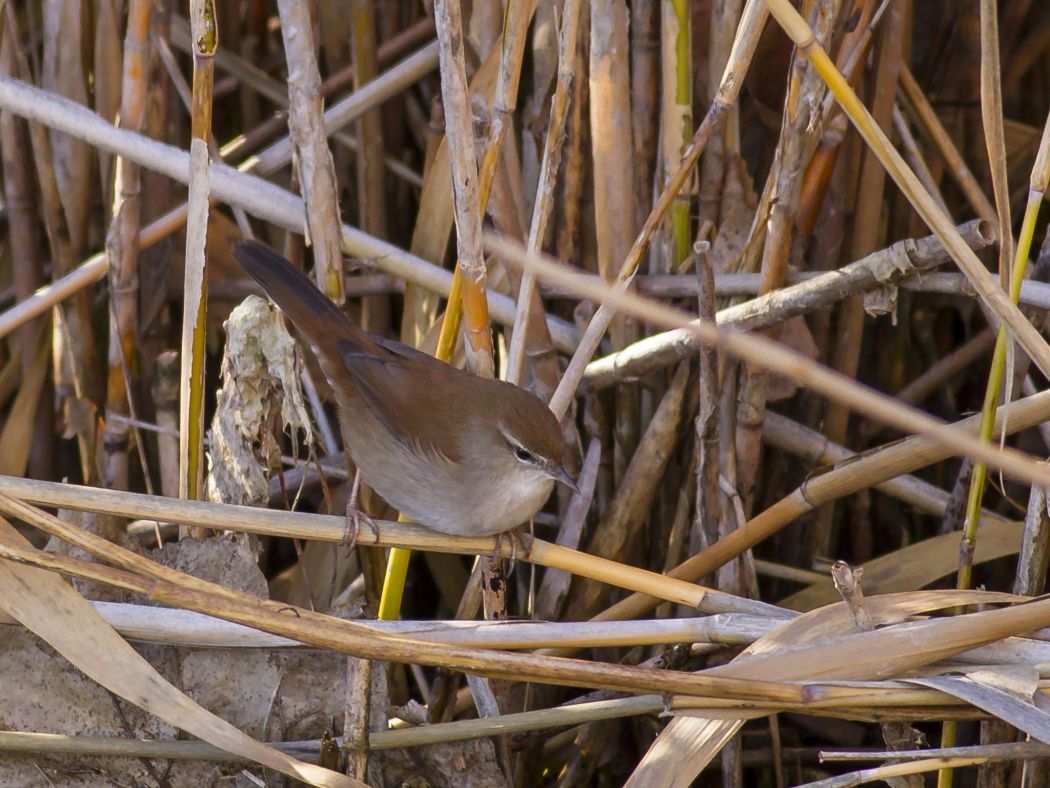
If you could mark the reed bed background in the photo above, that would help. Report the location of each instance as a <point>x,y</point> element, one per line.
<point>780,268</point>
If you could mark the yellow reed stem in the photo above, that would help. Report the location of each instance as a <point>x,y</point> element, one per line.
<point>614,573</point>
<point>397,562</point>
<point>394,583</point>
<point>991,393</point>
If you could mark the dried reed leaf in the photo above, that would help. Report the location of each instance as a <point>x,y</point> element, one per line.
<point>688,744</point>
<point>1007,695</point>
<point>916,565</point>
<point>16,439</point>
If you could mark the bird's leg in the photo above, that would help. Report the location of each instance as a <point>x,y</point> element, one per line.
<point>517,541</point>
<point>355,515</point>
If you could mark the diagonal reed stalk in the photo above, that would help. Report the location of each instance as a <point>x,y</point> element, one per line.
<point>985,284</point>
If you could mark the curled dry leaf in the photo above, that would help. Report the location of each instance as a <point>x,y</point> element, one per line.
<point>260,383</point>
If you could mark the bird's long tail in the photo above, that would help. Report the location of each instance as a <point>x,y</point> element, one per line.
<point>307,307</point>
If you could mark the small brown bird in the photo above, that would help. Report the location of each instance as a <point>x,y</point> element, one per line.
<point>454,452</point>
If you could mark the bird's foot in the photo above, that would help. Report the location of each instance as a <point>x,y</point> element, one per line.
<point>355,516</point>
<point>517,542</point>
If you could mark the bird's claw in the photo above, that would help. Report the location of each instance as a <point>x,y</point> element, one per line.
<point>517,541</point>
<point>355,516</point>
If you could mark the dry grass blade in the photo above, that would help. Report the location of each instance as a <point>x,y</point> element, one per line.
<point>56,613</point>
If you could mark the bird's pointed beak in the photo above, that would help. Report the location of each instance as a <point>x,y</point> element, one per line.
<point>561,475</point>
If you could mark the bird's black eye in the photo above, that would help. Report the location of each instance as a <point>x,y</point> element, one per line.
<point>522,455</point>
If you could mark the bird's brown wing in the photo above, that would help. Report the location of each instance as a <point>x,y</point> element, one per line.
<point>405,394</point>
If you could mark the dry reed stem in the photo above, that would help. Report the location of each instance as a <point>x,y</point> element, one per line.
<point>123,252</point>
<point>76,365</point>
<point>544,204</point>
<point>186,628</point>
<point>344,112</point>
<point>175,589</point>
<point>274,91</point>
<point>868,470</point>
<point>195,283</point>
<point>1033,294</point>
<point>1030,578</point>
<point>915,159</point>
<point>461,730</point>
<point>867,229</point>
<point>555,584</point>
<point>707,520</point>
<point>935,130</point>
<point>955,362</point>
<point>815,448</point>
<point>87,273</point>
<point>25,240</point>
<point>314,166</point>
<point>993,295</point>
<point>743,50</point>
<point>459,131</point>
<point>619,529</point>
<point>329,528</point>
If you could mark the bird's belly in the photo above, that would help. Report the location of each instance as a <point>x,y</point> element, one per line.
<point>432,490</point>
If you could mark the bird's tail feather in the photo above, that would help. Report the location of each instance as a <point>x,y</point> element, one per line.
<point>292,290</point>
